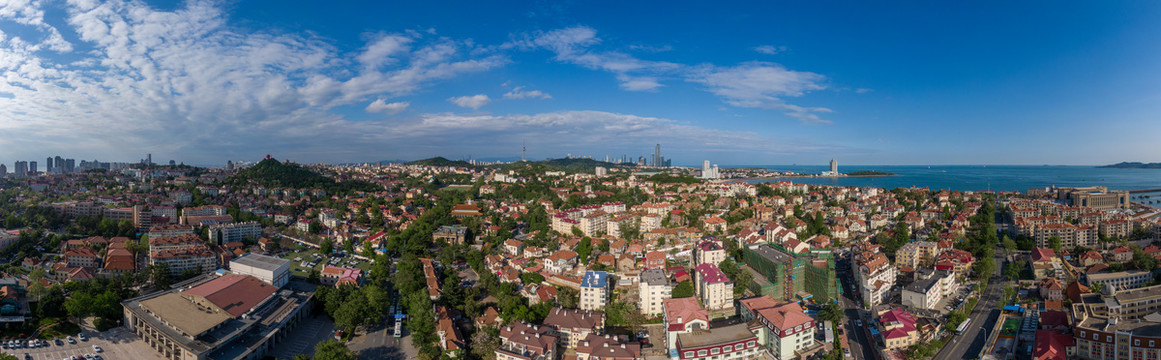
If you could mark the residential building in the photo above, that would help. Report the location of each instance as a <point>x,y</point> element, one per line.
<point>573,325</point>
<point>522,341</point>
<point>652,289</point>
<point>225,233</point>
<point>708,251</point>
<point>608,347</point>
<point>926,293</point>
<point>875,277</point>
<point>916,254</point>
<point>713,288</point>
<point>682,316</point>
<point>1122,280</point>
<point>82,258</point>
<point>782,328</point>
<point>898,329</point>
<point>169,230</point>
<point>595,290</point>
<point>726,343</point>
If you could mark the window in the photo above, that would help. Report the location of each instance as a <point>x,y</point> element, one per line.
<point>1136,342</point>
<point>701,353</point>
<point>1082,333</point>
<point>1108,338</point>
<point>715,351</point>
<point>738,347</point>
<point>750,344</point>
<point>688,354</point>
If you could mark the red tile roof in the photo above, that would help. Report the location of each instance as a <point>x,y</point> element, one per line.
<point>236,294</point>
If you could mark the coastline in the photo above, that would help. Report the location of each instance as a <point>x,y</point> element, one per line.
<point>772,179</point>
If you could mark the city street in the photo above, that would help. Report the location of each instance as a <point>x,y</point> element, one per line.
<point>969,345</point>
<point>857,336</point>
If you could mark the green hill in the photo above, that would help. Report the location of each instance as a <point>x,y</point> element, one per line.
<point>441,161</point>
<point>273,173</point>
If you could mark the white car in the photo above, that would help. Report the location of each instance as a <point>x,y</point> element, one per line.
<point>97,348</point>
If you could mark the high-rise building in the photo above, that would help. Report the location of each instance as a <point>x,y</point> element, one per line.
<point>60,165</point>
<point>149,159</point>
<point>833,166</point>
<point>31,167</point>
<point>70,165</point>
<point>3,170</point>
<point>709,172</point>
<point>20,169</point>
<point>48,164</point>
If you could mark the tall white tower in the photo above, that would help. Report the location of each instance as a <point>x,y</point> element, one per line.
<point>833,166</point>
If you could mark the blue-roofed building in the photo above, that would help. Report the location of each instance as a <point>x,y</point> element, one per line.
<point>595,291</point>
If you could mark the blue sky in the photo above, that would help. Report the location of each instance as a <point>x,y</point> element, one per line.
<point>763,83</point>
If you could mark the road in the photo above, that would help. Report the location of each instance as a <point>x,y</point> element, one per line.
<point>857,336</point>
<point>969,345</point>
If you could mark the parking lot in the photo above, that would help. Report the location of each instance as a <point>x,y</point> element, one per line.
<point>117,344</point>
<point>302,262</point>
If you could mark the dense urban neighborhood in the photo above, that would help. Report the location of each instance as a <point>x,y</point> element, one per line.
<point>560,260</point>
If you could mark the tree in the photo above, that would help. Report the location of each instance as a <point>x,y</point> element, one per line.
<point>1054,243</point>
<point>683,289</point>
<point>584,248</point>
<point>355,312</point>
<point>333,350</point>
<point>326,246</point>
<point>485,342</point>
<point>159,274</point>
<point>1009,244</point>
<point>831,312</point>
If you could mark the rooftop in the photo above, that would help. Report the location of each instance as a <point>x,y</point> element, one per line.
<point>261,261</point>
<point>654,277</point>
<point>718,336</point>
<point>595,279</point>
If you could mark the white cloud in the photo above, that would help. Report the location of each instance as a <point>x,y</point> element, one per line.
<point>571,45</point>
<point>185,82</point>
<point>763,85</point>
<point>863,90</point>
<point>474,102</point>
<point>770,49</point>
<point>519,93</point>
<point>381,106</point>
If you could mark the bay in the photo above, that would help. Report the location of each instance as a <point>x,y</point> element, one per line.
<point>976,177</point>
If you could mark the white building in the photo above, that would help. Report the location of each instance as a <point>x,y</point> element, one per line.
<point>926,293</point>
<point>875,277</point>
<point>269,269</point>
<point>224,233</point>
<point>595,291</point>
<point>653,289</point>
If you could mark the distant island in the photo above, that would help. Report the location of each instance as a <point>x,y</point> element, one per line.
<point>870,173</point>
<point>1132,165</point>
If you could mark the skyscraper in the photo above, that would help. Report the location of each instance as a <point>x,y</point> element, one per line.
<point>48,164</point>
<point>60,165</point>
<point>70,165</point>
<point>657,157</point>
<point>834,166</point>
<point>3,170</point>
<point>31,167</point>
<point>20,169</point>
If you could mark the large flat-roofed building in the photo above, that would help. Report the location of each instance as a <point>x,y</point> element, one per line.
<point>1095,197</point>
<point>1100,334</point>
<point>1123,304</point>
<point>270,269</point>
<point>1122,280</point>
<point>218,317</point>
<point>731,342</point>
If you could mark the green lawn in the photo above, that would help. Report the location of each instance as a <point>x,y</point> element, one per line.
<point>295,269</point>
